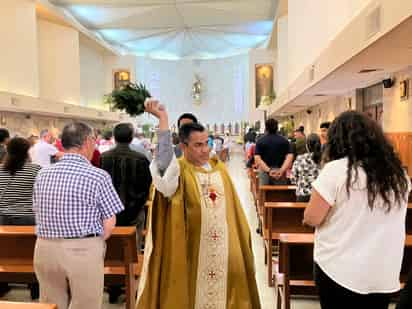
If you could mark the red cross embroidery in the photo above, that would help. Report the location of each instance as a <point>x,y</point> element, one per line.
<point>215,236</point>
<point>212,275</point>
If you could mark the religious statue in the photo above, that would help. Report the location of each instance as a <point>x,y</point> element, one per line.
<point>197,89</point>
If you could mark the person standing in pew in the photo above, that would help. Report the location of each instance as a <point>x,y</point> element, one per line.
<point>324,127</point>
<point>198,250</point>
<point>75,205</point>
<point>306,168</point>
<point>17,176</point>
<point>44,153</point>
<point>358,207</point>
<point>4,139</point>
<point>131,177</point>
<point>273,156</point>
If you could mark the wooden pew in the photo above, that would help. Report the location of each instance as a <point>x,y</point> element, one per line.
<point>122,264</point>
<point>282,217</point>
<point>272,193</point>
<point>295,268</point>
<point>276,193</point>
<point>16,305</point>
<point>254,185</point>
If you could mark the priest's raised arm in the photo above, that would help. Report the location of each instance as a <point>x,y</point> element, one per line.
<point>164,168</point>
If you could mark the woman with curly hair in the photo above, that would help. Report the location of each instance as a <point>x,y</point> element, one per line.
<point>358,207</point>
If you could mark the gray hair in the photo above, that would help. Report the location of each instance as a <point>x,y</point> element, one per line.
<point>43,133</point>
<point>75,134</point>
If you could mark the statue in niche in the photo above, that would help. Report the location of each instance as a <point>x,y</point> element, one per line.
<point>264,84</point>
<point>197,90</point>
<point>121,78</point>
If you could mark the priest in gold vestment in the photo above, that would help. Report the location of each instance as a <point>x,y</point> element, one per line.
<point>198,252</point>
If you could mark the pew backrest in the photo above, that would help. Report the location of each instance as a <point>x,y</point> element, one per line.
<point>286,217</point>
<point>20,305</point>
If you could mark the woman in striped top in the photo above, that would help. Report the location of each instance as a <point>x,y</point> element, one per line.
<point>17,176</point>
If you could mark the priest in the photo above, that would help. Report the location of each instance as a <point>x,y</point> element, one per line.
<point>198,252</point>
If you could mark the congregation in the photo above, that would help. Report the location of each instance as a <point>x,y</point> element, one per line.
<point>75,201</point>
<point>205,154</point>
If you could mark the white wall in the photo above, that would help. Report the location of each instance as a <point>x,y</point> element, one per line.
<point>114,63</point>
<point>283,55</point>
<point>397,113</point>
<point>18,45</point>
<point>225,87</point>
<point>59,62</point>
<point>326,111</point>
<point>312,25</point>
<point>92,75</point>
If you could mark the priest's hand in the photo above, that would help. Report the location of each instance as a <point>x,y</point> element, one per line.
<point>153,106</point>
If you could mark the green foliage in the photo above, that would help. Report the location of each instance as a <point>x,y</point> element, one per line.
<point>146,130</point>
<point>129,98</point>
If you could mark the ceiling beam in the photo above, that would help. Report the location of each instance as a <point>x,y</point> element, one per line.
<point>207,28</point>
<point>103,27</point>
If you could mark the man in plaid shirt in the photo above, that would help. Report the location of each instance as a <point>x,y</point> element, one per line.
<point>75,206</point>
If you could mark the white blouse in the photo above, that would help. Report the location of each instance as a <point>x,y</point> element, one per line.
<point>359,248</point>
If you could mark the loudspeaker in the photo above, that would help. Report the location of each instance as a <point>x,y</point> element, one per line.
<point>388,83</point>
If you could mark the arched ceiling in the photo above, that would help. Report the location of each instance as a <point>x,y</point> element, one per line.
<point>176,29</point>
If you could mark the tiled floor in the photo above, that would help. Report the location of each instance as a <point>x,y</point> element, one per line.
<point>239,177</point>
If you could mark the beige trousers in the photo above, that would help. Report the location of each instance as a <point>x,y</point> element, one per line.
<point>75,265</point>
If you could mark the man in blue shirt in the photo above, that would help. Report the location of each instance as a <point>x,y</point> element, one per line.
<point>273,155</point>
<point>75,205</point>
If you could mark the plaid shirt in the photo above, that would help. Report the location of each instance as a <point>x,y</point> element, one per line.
<point>72,198</point>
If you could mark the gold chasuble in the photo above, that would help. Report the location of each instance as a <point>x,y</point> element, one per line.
<point>198,252</point>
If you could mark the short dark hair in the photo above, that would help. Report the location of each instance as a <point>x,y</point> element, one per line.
<point>271,126</point>
<point>123,133</point>
<point>300,129</point>
<point>325,125</point>
<point>75,134</point>
<point>187,116</point>
<point>107,135</point>
<point>187,129</point>
<point>4,134</point>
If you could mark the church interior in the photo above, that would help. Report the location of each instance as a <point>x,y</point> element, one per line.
<point>234,65</point>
